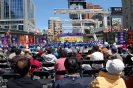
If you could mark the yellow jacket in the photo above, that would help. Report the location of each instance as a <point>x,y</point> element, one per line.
<point>106,80</point>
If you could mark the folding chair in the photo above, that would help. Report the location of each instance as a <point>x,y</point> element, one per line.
<point>42,74</point>
<point>49,65</point>
<point>3,61</point>
<point>99,62</point>
<point>7,76</point>
<point>128,70</point>
<point>84,55</point>
<point>60,72</point>
<point>87,62</point>
<point>33,66</point>
<point>90,73</point>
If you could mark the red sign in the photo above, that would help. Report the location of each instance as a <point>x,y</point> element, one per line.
<point>130,37</point>
<point>31,39</point>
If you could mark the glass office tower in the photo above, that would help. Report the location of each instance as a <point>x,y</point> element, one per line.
<point>17,14</point>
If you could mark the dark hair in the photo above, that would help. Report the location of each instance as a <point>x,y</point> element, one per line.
<point>63,53</point>
<point>12,50</point>
<point>49,51</point>
<point>130,47</point>
<point>23,66</point>
<point>89,51</point>
<point>69,47</point>
<point>95,48</point>
<point>17,51</point>
<point>85,47</point>
<point>71,64</point>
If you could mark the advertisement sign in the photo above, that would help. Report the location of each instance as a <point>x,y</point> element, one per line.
<point>116,9</point>
<point>4,41</point>
<point>31,39</point>
<point>116,24</point>
<point>72,37</point>
<point>22,40</point>
<point>111,37</point>
<point>76,5</point>
<point>130,37</point>
<point>121,37</point>
<point>14,40</point>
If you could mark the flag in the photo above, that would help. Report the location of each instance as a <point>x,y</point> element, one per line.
<point>8,32</point>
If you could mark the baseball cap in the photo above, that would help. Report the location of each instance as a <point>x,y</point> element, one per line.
<point>114,49</point>
<point>115,66</point>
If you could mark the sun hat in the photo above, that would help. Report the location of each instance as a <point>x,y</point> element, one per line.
<point>115,66</point>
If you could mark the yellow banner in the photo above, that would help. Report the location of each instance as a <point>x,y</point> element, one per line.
<point>71,38</point>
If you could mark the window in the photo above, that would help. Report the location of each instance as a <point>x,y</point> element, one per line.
<point>126,24</point>
<point>132,23</point>
<point>14,27</point>
<point>131,7</point>
<point>126,10</point>
<point>6,26</point>
<point>126,16</point>
<point>20,27</point>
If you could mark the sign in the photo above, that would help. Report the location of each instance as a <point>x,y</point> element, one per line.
<point>31,39</point>
<point>111,37</point>
<point>130,37</point>
<point>116,9</point>
<point>116,24</point>
<point>72,37</point>
<point>22,40</point>
<point>4,41</point>
<point>14,40</point>
<point>41,39</point>
<point>121,37</point>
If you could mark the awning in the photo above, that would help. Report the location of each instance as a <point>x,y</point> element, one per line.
<point>3,31</point>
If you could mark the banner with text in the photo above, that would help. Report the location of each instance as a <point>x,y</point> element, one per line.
<point>130,37</point>
<point>111,37</point>
<point>22,40</point>
<point>41,39</point>
<point>31,39</point>
<point>121,37</point>
<point>4,41</point>
<point>14,40</point>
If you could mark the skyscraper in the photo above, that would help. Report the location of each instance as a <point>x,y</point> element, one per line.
<point>127,13</point>
<point>17,14</point>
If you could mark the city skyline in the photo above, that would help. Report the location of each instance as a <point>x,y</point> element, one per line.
<point>45,9</point>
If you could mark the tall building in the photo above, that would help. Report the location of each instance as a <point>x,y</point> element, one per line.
<point>17,14</point>
<point>127,12</point>
<point>52,26</point>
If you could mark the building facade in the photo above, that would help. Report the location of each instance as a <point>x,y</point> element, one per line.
<point>52,26</point>
<point>127,12</point>
<point>17,14</point>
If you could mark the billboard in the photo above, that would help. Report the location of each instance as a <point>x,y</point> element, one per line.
<point>76,5</point>
<point>116,9</point>
<point>116,24</point>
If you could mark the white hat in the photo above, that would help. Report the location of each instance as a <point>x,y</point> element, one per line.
<point>115,66</point>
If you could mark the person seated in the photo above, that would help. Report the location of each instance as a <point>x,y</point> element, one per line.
<point>71,79</point>
<point>85,50</point>
<point>17,57</point>
<point>24,81</point>
<point>111,78</point>
<point>59,63</point>
<point>12,54</point>
<point>69,50</point>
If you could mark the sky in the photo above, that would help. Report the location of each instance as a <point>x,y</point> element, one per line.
<point>45,9</point>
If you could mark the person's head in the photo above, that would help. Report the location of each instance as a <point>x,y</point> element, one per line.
<point>115,66</point>
<point>17,51</point>
<point>95,48</point>
<point>27,51</point>
<point>85,47</point>
<point>114,50</point>
<point>23,67</point>
<point>69,47</point>
<point>130,48</point>
<point>89,51</point>
<point>9,48</point>
<point>49,51</point>
<point>12,50</point>
<point>63,53</point>
<point>71,65</point>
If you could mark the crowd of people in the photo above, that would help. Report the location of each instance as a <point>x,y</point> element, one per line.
<point>67,58</point>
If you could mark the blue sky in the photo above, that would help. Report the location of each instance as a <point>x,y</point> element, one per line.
<point>45,9</point>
